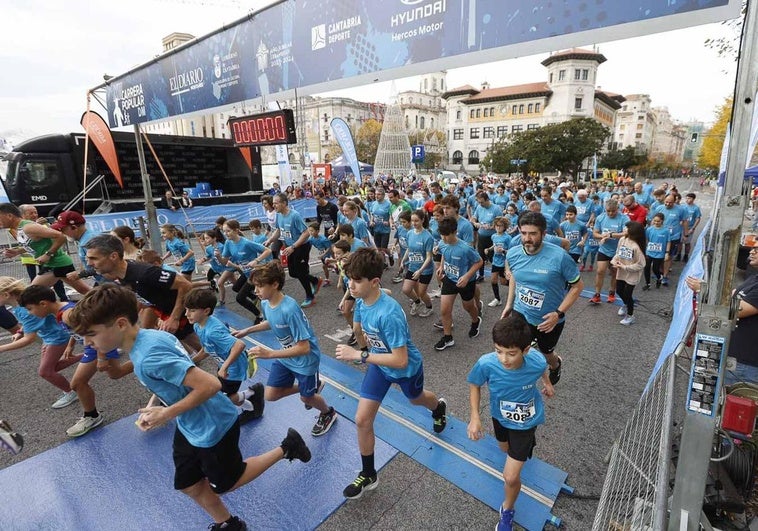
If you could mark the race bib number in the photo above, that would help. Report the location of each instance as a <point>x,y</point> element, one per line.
<point>375,343</point>
<point>626,253</point>
<point>573,235</point>
<point>531,297</point>
<point>286,342</point>
<point>328,223</point>
<point>415,258</point>
<point>499,249</point>
<point>24,240</point>
<point>285,234</point>
<point>517,412</point>
<point>452,271</point>
<point>654,247</point>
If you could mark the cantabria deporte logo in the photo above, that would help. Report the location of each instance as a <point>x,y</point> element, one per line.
<point>318,37</point>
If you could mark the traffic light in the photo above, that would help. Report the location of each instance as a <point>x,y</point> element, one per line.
<point>693,138</point>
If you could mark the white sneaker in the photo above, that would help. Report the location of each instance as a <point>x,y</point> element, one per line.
<point>435,294</point>
<point>622,311</point>
<point>494,302</point>
<point>414,308</point>
<point>83,425</point>
<point>425,312</point>
<point>66,399</point>
<point>629,319</point>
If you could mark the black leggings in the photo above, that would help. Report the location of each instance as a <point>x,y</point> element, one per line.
<point>483,243</point>
<point>246,295</point>
<point>297,264</point>
<point>657,266</point>
<point>625,291</point>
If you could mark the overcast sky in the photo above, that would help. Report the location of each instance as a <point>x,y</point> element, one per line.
<point>52,51</point>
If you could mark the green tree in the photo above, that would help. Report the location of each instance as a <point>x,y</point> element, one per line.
<point>622,159</point>
<point>367,140</point>
<point>435,146</point>
<point>713,141</point>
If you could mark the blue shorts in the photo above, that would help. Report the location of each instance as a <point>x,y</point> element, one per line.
<point>376,384</point>
<point>90,355</point>
<point>281,376</point>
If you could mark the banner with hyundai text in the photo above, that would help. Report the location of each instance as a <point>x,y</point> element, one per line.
<point>320,45</point>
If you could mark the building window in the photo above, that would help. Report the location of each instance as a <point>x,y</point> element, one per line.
<point>640,126</point>
<point>434,84</point>
<point>410,100</point>
<point>326,135</point>
<point>537,107</point>
<point>457,157</point>
<point>561,75</point>
<point>550,78</point>
<point>478,113</point>
<point>471,114</point>
<point>514,109</point>
<point>473,157</point>
<point>530,109</point>
<point>521,109</point>
<point>431,123</point>
<point>407,122</point>
<point>577,74</point>
<point>458,115</point>
<point>489,132</point>
<point>622,127</point>
<point>502,130</point>
<point>458,135</point>
<point>349,118</point>
<point>621,136</point>
<point>417,121</point>
<point>638,135</point>
<point>486,112</point>
<point>577,103</point>
<point>422,122</point>
<point>474,132</point>
<point>517,128</point>
<point>326,118</point>
<point>585,74</point>
<point>532,127</point>
<point>492,111</point>
<point>640,117</point>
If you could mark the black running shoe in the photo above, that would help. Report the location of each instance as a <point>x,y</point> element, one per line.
<point>474,330</point>
<point>214,286</point>
<point>258,400</point>
<point>294,447</point>
<point>555,374</point>
<point>361,483</point>
<point>440,416</point>
<point>324,422</point>
<point>233,524</point>
<point>444,342</point>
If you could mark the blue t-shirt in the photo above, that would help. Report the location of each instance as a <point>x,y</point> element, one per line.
<point>46,328</point>
<point>178,249</point>
<point>486,216</point>
<point>434,230</point>
<point>583,210</point>
<point>515,400</point>
<point>574,232</point>
<point>540,279</point>
<point>643,199</point>
<point>401,235</point>
<point>386,327</point>
<point>360,229</point>
<point>501,200</point>
<point>465,231</point>
<point>592,245</point>
<point>161,365</point>
<point>241,252</point>
<point>652,210</point>
<point>210,252</point>
<point>320,242</point>
<point>693,213</point>
<point>657,241</point>
<point>605,224</point>
<point>291,226</point>
<point>380,215</point>
<point>290,325</point>
<point>418,245</point>
<point>217,342</point>
<point>458,259</point>
<point>554,209</point>
<point>500,242</point>
<point>673,218</point>
<point>357,244</point>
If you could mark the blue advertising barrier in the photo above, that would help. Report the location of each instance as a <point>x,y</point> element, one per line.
<point>683,310</point>
<point>202,217</point>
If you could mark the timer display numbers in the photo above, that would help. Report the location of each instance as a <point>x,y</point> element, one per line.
<point>265,129</point>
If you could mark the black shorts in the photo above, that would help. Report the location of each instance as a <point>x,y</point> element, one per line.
<point>229,387</point>
<point>423,279</point>
<point>381,240</point>
<point>521,443</point>
<point>466,292</point>
<point>575,257</point>
<point>297,262</point>
<point>674,247</point>
<point>58,272</point>
<point>222,464</point>
<point>437,257</point>
<point>7,319</point>
<point>603,257</point>
<point>498,269</point>
<point>546,342</point>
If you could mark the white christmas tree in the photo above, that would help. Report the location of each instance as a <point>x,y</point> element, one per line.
<point>394,152</point>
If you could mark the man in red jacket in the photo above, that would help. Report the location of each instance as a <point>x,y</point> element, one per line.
<point>634,210</point>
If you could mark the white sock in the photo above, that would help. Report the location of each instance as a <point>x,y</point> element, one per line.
<point>247,405</point>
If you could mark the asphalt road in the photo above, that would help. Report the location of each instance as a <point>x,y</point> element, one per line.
<point>605,369</point>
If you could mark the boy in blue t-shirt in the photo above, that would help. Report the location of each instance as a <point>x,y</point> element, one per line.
<point>227,351</point>
<point>457,271</point>
<point>300,355</point>
<point>511,373</point>
<point>324,246</point>
<point>386,347</point>
<point>206,451</point>
<point>575,232</point>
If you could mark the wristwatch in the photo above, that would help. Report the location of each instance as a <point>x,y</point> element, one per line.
<point>561,314</point>
<point>364,355</point>
<point>48,253</point>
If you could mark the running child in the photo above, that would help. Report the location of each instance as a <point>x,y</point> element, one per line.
<point>457,271</point>
<point>420,266</point>
<point>206,441</point>
<point>401,243</point>
<point>591,247</point>
<point>500,243</point>
<point>341,251</point>
<point>575,232</point>
<point>391,357</point>
<point>212,241</point>
<point>347,233</point>
<point>324,246</point>
<point>658,249</point>
<point>178,247</point>
<point>54,341</point>
<point>511,373</point>
<point>629,262</point>
<point>438,212</point>
<point>41,302</point>
<point>295,366</point>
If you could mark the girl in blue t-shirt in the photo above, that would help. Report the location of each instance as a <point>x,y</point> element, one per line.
<point>511,214</point>
<point>178,247</point>
<point>324,246</point>
<point>212,241</point>
<point>590,248</point>
<point>658,247</point>
<point>54,341</point>
<point>500,244</point>
<point>401,243</point>
<point>259,236</point>
<point>418,256</point>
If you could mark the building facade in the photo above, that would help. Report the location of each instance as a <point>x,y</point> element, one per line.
<point>636,124</point>
<point>477,118</point>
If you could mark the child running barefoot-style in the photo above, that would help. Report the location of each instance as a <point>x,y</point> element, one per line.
<point>206,452</point>
<point>511,373</point>
<point>55,341</point>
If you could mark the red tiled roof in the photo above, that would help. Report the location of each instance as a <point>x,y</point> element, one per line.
<point>465,89</point>
<point>511,92</point>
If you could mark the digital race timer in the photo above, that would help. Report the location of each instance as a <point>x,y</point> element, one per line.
<point>265,129</point>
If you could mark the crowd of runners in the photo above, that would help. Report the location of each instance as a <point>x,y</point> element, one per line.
<point>149,313</point>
